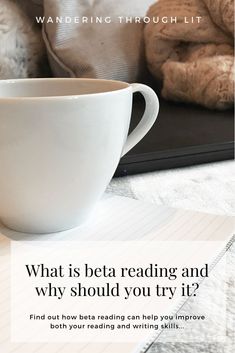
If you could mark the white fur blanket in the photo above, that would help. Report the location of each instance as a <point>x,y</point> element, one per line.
<point>22,52</point>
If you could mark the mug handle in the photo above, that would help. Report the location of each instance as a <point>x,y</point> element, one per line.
<point>148,119</point>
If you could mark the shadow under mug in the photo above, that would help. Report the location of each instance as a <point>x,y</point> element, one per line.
<point>60,143</point>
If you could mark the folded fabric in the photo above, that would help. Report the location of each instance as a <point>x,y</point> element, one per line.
<point>194,56</point>
<point>80,46</point>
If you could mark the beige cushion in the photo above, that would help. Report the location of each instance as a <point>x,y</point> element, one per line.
<point>110,51</point>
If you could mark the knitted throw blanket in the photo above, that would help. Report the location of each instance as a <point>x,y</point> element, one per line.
<point>194,57</point>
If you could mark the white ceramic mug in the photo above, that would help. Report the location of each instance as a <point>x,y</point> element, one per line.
<point>60,143</point>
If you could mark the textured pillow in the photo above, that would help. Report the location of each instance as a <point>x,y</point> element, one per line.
<point>98,50</point>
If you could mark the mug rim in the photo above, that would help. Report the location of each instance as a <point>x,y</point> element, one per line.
<point>123,86</point>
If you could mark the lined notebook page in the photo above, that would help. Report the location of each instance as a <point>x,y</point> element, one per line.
<point>118,219</point>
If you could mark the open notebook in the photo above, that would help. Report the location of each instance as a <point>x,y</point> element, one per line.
<point>116,218</point>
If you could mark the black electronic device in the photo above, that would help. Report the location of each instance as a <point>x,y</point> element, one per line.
<point>183,135</point>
